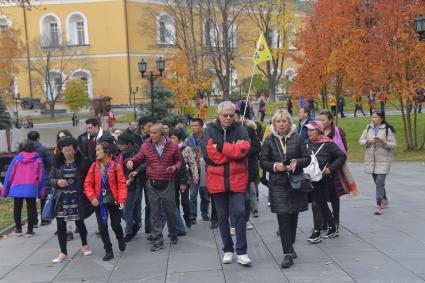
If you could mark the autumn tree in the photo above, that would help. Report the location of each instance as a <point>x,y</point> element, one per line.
<point>75,95</point>
<point>50,67</point>
<point>276,20</point>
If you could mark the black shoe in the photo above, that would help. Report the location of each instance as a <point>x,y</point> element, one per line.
<point>181,234</point>
<point>108,256</point>
<point>332,233</point>
<point>35,225</point>
<point>324,227</point>
<point>121,244</point>
<point>193,221</point>
<point>287,261</point>
<point>214,225</point>
<point>45,222</point>
<point>278,232</point>
<point>157,246</point>
<point>205,218</point>
<point>188,223</point>
<point>127,238</point>
<point>135,229</point>
<point>255,214</point>
<point>150,238</point>
<point>174,240</point>
<point>315,237</point>
<point>294,255</point>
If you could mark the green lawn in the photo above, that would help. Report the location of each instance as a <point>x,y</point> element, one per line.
<point>6,213</point>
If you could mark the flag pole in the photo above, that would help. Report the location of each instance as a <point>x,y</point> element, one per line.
<point>249,91</point>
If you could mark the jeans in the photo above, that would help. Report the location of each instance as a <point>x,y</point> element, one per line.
<point>203,192</point>
<point>223,202</point>
<point>147,206</point>
<point>115,216</point>
<point>248,196</point>
<point>129,214</point>
<point>381,193</point>
<point>82,230</point>
<point>31,212</point>
<point>253,189</point>
<point>181,228</point>
<point>183,198</point>
<point>288,231</point>
<point>162,198</point>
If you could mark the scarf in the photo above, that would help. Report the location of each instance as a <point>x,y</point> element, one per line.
<point>338,140</point>
<point>104,170</point>
<point>320,139</point>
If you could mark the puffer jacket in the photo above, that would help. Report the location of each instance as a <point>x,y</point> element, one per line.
<point>254,151</point>
<point>116,180</point>
<point>25,177</point>
<point>282,200</point>
<point>378,157</point>
<point>227,168</point>
<point>56,173</point>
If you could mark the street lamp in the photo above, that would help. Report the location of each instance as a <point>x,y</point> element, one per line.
<point>17,124</point>
<point>420,26</point>
<point>160,65</point>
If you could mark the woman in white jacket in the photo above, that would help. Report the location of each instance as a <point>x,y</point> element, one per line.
<point>379,141</point>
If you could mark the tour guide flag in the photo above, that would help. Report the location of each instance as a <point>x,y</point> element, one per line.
<point>262,53</point>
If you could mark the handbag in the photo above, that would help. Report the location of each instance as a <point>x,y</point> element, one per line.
<point>313,169</point>
<point>298,182</point>
<point>48,212</point>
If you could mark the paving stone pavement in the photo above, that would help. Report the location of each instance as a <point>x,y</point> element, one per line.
<point>386,248</point>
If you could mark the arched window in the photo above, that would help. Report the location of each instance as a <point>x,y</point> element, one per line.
<point>85,77</point>
<point>50,29</point>
<point>56,85</point>
<point>77,29</point>
<point>4,23</point>
<point>166,31</point>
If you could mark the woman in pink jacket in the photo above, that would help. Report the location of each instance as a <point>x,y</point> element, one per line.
<point>25,180</point>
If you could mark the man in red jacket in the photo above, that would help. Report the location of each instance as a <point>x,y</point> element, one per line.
<point>226,145</point>
<point>162,157</point>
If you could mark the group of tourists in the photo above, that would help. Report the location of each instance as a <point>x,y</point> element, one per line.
<point>108,175</point>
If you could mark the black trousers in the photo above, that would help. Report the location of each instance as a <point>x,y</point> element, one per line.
<point>31,212</point>
<point>335,202</point>
<point>148,226</point>
<point>288,231</point>
<point>320,206</point>
<point>214,217</point>
<point>115,216</point>
<point>183,199</point>
<point>82,230</point>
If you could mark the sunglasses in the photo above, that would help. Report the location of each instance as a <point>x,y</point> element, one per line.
<point>228,115</point>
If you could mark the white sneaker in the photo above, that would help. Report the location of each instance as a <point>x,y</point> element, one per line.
<point>243,259</point>
<point>232,231</point>
<point>249,226</point>
<point>227,258</point>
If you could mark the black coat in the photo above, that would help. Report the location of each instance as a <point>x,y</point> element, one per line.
<point>106,137</point>
<point>282,200</point>
<point>56,173</point>
<point>253,155</point>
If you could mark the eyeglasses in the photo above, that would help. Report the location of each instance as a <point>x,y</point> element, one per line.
<point>227,115</point>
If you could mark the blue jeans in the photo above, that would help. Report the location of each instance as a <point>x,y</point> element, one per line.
<point>248,195</point>
<point>193,199</point>
<point>129,214</point>
<point>181,228</point>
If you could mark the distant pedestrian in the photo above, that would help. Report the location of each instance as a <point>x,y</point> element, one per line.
<point>262,107</point>
<point>341,105</point>
<point>106,188</point>
<point>358,101</point>
<point>332,103</point>
<point>379,141</point>
<point>25,181</point>
<point>74,119</point>
<point>67,178</point>
<point>371,101</point>
<point>382,99</point>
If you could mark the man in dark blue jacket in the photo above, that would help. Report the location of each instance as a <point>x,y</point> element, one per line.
<point>47,161</point>
<point>304,116</point>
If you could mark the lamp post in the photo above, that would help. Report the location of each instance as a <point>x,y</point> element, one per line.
<point>134,101</point>
<point>17,124</point>
<point>143,65</point>
<point>420,26</point>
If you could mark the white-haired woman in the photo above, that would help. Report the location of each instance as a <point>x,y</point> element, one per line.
<point>284,151</point>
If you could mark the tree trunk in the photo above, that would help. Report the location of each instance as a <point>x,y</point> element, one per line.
<point>409,125</point>
<point>423,141</point>
<point>272,90</point>
<point>403,115</point>
<point>52,108</point>
<point>415,130</point>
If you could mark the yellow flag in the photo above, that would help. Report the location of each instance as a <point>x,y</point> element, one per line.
<point>262,53</point>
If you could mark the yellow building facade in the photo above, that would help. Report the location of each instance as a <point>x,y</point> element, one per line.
<point>107,39</point>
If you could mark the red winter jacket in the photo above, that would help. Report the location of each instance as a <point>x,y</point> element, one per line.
<point>227,169</point>
<point>155,166</point>
<point>116,181</point>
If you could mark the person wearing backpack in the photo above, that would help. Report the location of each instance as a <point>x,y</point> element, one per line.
<point>379,141</point>
<point>329,158</point>
<point>105,186</point>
